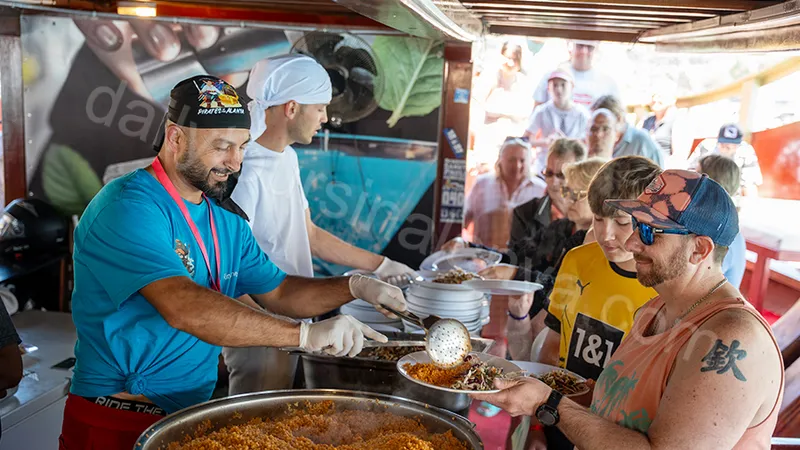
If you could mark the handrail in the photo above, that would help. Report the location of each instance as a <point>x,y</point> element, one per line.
<point>786,442</point>
<point>766,76</point>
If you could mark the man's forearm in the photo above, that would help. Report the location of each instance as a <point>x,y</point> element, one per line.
<point>301,297</point>
<point>216,318</point>
<point>589,431</point>
<point>520,338</point>
<point>330,248</point>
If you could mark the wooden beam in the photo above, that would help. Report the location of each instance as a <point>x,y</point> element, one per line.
<point>454,115</point>
<point>228,11</point>
<point>772,74</point>
<point>543,22</point>
<point>565,33</point>
<point>489,12</point>
<point>13,117</point>
<point>748,95</point>
<point>708,5</point>
<point>577,8</point>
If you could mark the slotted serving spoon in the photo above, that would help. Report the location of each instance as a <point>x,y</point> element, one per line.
<point>447,341</point>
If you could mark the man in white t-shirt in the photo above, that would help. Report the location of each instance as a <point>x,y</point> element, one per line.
<point>290,96</point>
<point>557,118</point>
<point>589,83</point>
<point>730,142</point>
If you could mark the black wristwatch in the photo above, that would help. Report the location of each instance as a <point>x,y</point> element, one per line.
<point>548,412</point>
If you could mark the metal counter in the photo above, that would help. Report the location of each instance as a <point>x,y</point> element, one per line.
<point>31,418</point>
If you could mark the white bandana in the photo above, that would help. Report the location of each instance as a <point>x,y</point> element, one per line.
<point>275,81</point>
<point>598,112</point>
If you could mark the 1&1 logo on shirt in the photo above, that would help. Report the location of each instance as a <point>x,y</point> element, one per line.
<point>591,346</point>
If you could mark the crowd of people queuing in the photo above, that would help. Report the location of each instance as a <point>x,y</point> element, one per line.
<point>638,248</point>
<point>640,264</point>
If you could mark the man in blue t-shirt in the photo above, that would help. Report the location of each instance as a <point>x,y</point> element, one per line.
<point>726,172</point>
<point>157,268</point>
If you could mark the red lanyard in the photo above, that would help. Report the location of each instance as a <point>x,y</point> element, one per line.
<point>167,183</point>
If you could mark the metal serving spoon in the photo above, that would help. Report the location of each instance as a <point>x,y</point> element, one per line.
<point>447,341</point>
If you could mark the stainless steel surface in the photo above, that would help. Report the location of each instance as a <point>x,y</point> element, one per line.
<point>421,18</point>
<point>54,335</point>
<point>448,343</point>
<point>273,404</point>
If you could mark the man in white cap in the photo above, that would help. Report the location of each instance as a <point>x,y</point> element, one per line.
<point>289,98</point>
<point>589,82</point>
<point>559,117</point>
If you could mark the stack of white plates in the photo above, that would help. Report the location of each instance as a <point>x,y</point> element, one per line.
<point>366,313</point>
<point>448,301</point>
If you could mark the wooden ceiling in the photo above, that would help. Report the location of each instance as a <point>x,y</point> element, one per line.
<point>611,20</point>
<point>619,20</point>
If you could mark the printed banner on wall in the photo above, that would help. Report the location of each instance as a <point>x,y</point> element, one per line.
<point>453,179</point>
<point>96,94</point>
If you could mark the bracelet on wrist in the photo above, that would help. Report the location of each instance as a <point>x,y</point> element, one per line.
<point>510,314</point>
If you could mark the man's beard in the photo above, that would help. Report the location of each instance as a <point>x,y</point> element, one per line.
<point>662,271</point>
<point>196,174</point>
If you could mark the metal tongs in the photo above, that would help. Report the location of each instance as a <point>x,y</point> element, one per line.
<point>425,323</point>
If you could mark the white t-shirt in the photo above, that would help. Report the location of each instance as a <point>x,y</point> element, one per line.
<point>271,194</point>
<point>589,86</point>
<point>548,120</point>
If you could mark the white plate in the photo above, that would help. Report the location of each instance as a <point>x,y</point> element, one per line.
<point>438,310</point>
<point>367,316</point>
<point>456,306</point>
<point>538,369</point>
<point>468,259</point>
<point>422,357</point>
<point>442,286</point>
<point>462,316</point>
<point>503,287</point>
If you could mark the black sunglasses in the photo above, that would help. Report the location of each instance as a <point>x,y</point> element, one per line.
<point>547,173</point>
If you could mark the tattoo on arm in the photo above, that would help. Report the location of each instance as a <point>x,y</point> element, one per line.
<point>722,358</point>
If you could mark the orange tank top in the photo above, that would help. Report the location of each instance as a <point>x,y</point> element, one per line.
<point>630,388</point>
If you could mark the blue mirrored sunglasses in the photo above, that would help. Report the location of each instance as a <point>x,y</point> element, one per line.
<point>647,233</point>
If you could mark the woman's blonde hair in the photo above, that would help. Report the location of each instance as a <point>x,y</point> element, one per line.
<point>511,141</point>
<point>579,174</point>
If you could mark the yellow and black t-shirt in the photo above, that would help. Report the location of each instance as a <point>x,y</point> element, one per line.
<point>592,307</point>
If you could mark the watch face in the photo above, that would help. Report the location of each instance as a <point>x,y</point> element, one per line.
<point>546,417</point>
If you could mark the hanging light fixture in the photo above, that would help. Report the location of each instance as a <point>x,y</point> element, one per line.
<point>138,9</point>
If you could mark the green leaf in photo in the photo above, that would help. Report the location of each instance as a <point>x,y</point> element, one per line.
<point>69,181</point>
<point>413,69</point>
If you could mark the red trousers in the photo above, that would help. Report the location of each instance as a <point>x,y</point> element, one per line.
<point>89,426</point>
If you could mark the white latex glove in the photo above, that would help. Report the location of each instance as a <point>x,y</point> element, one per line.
<point>377,293</point>
<point>337,336</point>
<point>394,272</point>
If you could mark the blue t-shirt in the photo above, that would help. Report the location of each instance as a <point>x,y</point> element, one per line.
<point>638,143</point>
<point>735,261</point>
<point>132,234</point>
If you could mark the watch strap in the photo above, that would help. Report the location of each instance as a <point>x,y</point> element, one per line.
<point>554,399</point>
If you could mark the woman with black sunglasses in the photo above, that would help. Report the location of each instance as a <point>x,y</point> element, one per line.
<point>528,219</point>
